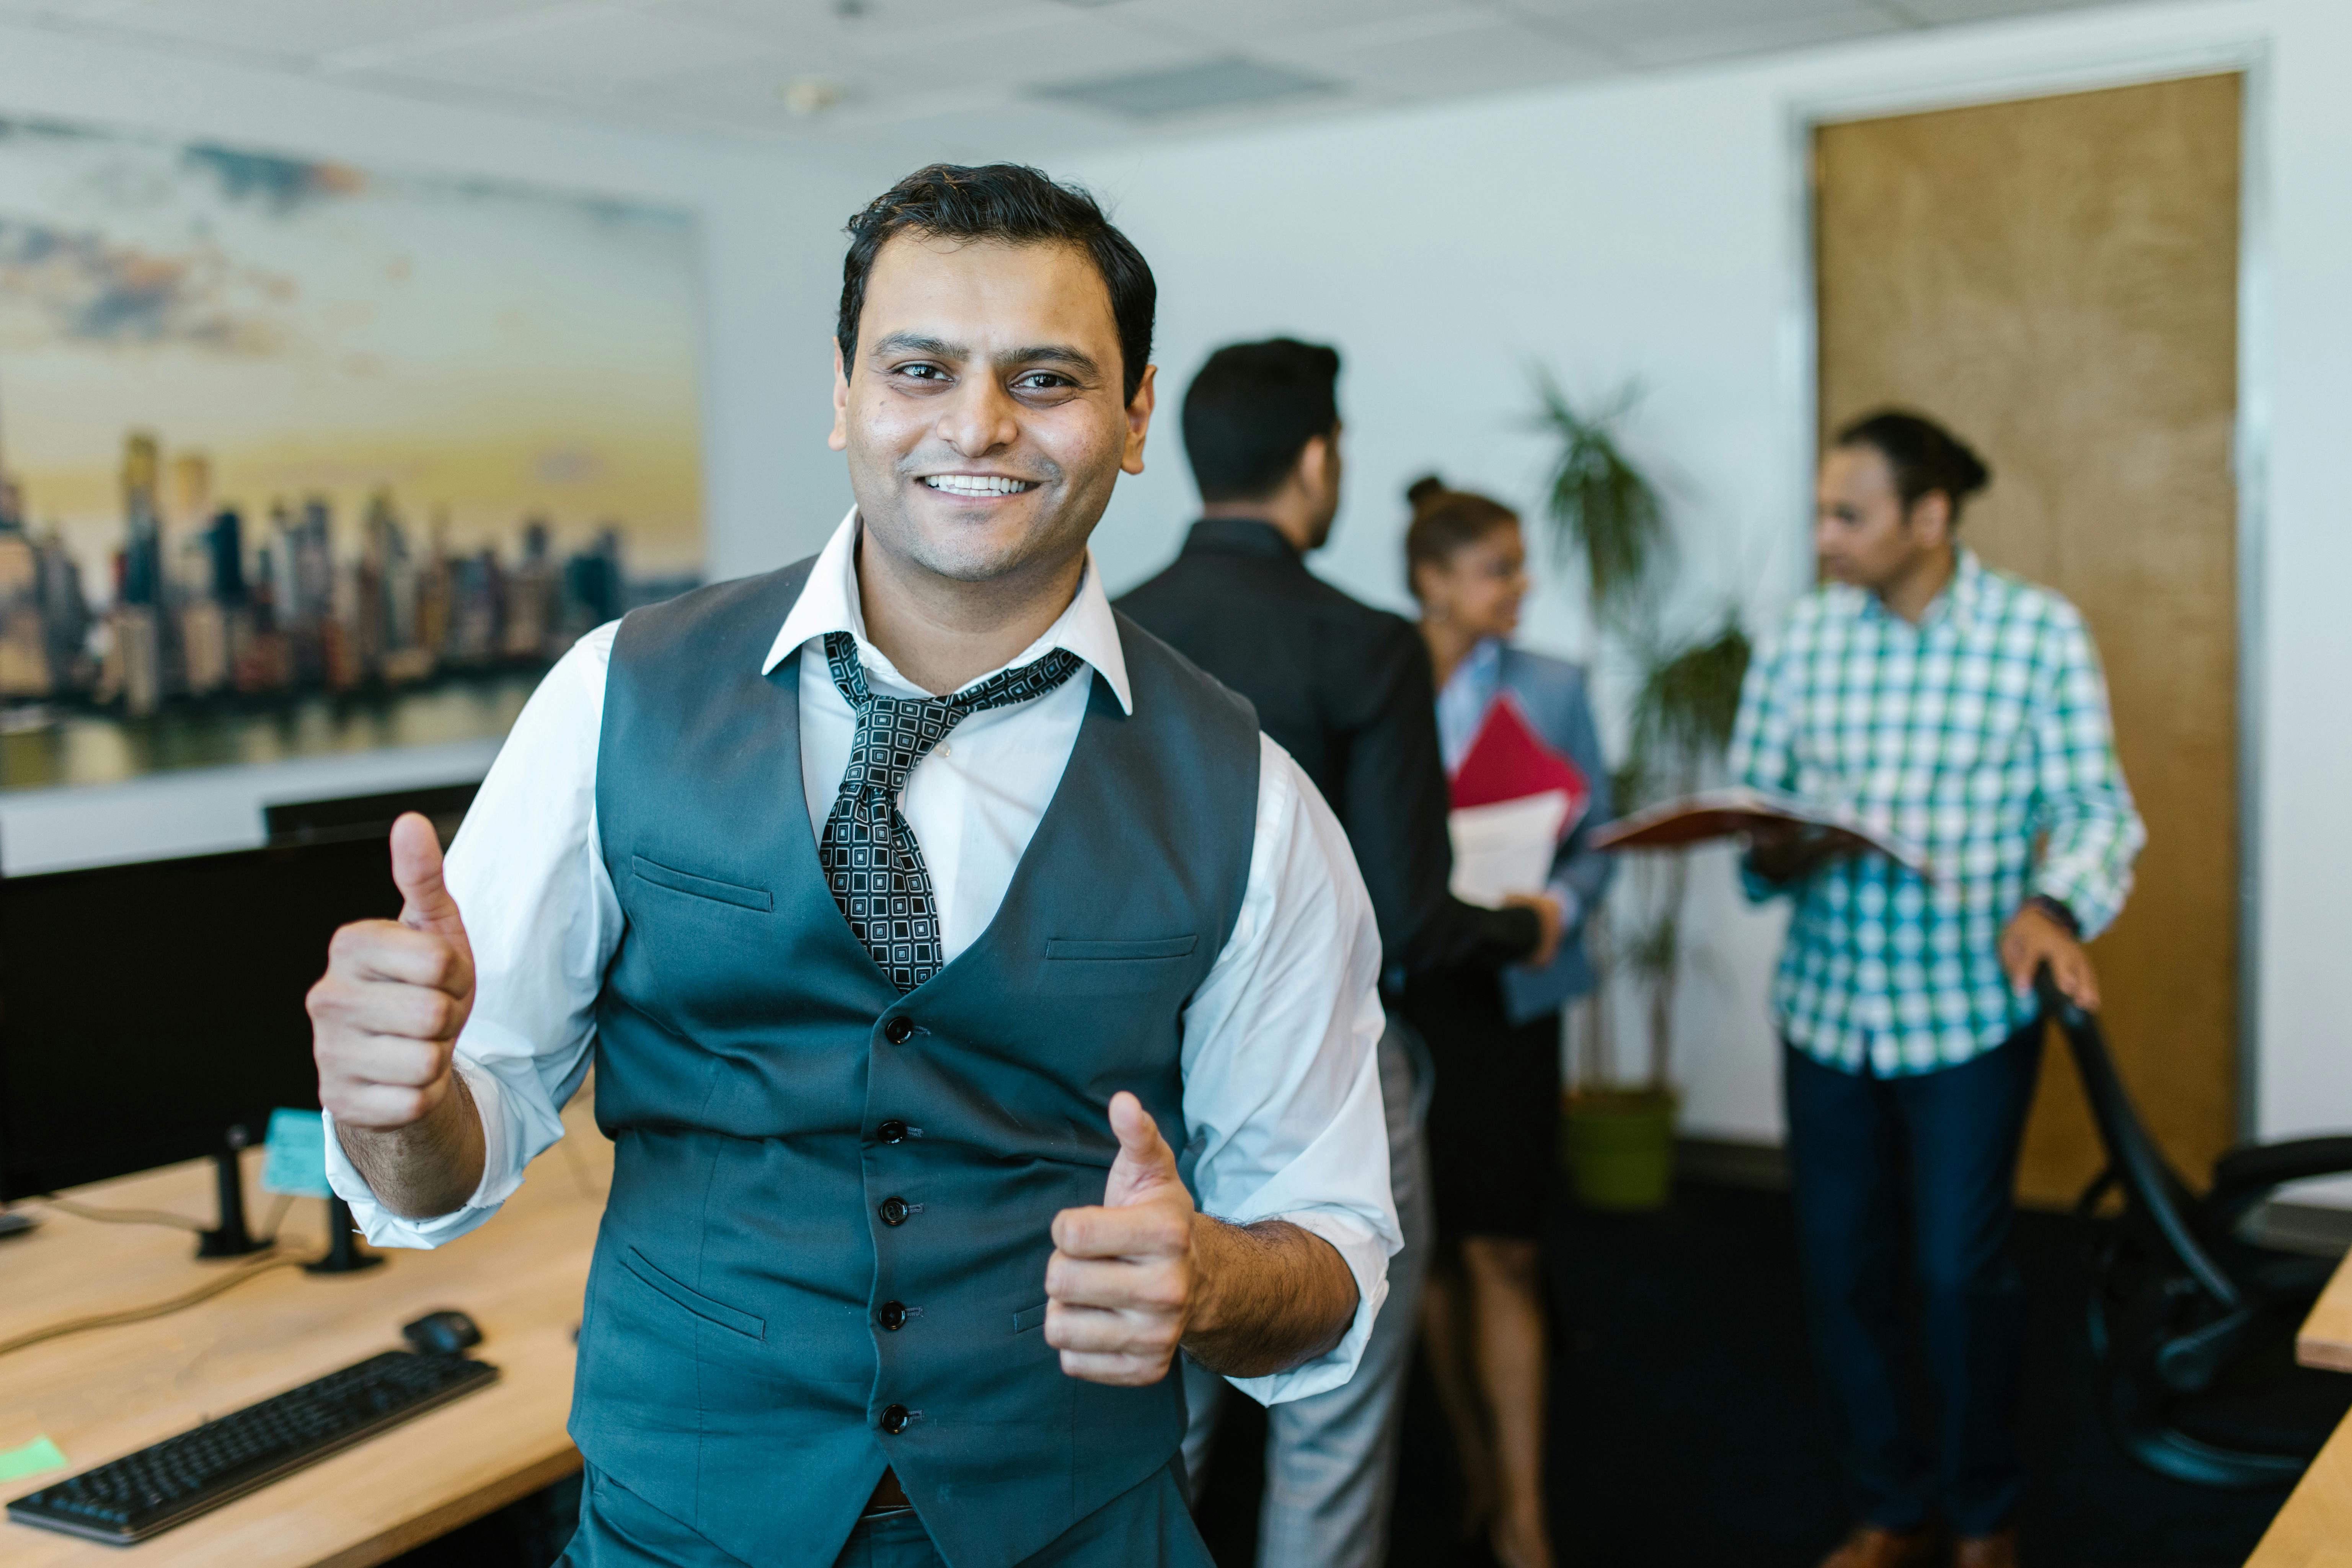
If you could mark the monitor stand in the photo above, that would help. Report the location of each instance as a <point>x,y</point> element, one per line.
<point>344,1253</point>
<point>230,1239</point>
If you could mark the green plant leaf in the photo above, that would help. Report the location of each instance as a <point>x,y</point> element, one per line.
<point>1604,510</point>
<point>1684,713</point>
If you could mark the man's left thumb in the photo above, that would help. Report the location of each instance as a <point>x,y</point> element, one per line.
<point>1144,1160</point>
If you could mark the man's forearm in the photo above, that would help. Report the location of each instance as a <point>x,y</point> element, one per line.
<point>1272,1296</point>
<point>428,1168</point>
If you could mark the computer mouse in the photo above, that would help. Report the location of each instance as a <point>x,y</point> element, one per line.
<point>446,1333</point>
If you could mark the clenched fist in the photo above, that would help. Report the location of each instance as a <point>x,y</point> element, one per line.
<point>1144,1272</point>
<point>384,1019</point>
<point>1120,1285</point>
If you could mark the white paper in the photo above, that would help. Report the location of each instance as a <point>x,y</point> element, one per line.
<point>1506,847</point>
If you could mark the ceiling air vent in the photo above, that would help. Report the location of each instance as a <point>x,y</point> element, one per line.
<point>1212,84</point>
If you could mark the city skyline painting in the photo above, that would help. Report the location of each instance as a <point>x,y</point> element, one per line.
<point>300,457</point>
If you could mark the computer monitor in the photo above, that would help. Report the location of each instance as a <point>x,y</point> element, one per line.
<point>367,815</point>
<point>148,1010</point>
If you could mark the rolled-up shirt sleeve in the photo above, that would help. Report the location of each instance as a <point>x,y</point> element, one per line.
<point>1282,1093</point>
<point>544,923</point>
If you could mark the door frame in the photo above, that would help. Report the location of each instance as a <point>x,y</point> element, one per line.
<point>1804,113</point>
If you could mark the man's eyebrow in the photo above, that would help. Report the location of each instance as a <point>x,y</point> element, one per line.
<point>919,344</point>
<point>1063,355</point>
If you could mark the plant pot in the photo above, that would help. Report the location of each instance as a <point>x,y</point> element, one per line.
<point>1619,1145</point>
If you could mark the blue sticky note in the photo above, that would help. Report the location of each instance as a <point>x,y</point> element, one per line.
<point>295,1161</point>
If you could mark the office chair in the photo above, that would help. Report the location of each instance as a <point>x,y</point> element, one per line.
<point>2194,1326</point>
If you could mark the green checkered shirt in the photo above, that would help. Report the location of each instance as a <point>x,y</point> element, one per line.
<point>1974,734</point>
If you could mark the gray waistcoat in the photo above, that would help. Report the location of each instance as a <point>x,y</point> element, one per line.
<point>830,1202</point>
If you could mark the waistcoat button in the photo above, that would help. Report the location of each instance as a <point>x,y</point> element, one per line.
<point>897,1031</point>
<point>894,1211</point>
<point>894,1315</point>
<point>893,1130</point>
<point>894,1420</point>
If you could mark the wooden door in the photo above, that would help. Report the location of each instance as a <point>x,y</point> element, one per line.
<point>2057,281</point>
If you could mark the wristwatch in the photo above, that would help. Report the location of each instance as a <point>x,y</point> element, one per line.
<point>2057,911</point>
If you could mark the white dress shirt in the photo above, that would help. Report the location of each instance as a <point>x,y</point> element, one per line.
<point>1282,1097</point>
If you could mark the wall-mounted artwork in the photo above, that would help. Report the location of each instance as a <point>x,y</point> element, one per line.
<point>299,459</point>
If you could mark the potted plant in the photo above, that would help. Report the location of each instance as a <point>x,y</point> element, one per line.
<point>1609,517</point>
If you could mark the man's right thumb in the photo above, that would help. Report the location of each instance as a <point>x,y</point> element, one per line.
<point>416,872</point>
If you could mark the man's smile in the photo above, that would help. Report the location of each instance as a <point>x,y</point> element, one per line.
<point>981,487</point>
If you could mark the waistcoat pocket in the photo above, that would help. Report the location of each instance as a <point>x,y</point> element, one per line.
<point>694,1301</point>
<point>1033,1317</point>
<point>711,888</point>
<point>1090,951</point>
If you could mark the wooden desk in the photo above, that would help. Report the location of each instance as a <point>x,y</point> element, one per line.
<point>2315,1528</point>
<point>2325,1337</point>
<point>102,1393</point>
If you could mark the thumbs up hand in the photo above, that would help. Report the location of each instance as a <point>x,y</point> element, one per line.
<point>385,1017</point>
<point>1125,1282</point>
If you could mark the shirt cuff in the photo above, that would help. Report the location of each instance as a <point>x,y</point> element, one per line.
<point>1367,1257</point>
<point>385,1229</point>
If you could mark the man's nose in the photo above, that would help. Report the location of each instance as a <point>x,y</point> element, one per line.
<point>981,418</point>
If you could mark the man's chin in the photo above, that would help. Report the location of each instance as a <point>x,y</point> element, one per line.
<point>975,550</point>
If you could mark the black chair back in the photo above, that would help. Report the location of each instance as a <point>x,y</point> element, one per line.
<point>2156,1198</point>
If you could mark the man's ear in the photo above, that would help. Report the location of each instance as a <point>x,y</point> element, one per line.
<point>1139,419</point>
<point>1930,520</point>
<point>839,439</point>
<point>1311,474</point>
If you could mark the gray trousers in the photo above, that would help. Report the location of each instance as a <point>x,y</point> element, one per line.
<point>1331,1459</point>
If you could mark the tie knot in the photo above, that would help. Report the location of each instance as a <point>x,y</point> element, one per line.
<point>894,733</point>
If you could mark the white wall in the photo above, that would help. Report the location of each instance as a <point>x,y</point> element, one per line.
<point>1652,229</point>
<point>770,272</point>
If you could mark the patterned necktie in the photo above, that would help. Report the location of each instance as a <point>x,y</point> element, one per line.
<point>869,854</point>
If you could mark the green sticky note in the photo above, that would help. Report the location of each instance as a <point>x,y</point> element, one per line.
<point>31,1459</point>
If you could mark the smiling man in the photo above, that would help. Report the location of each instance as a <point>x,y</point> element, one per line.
<point>898,1252</point>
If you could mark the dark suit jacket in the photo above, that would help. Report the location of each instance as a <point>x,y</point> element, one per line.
<point>1346,690</point>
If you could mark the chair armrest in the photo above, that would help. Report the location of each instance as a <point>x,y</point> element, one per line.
<point>2256,1168</point>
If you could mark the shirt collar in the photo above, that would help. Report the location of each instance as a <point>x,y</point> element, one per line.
<point>1956,601</point>
<point>1241,536</point>
<point>1479,667</point>
<point>829,603</point>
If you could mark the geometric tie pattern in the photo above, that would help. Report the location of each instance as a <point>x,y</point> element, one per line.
<point>870,857</point>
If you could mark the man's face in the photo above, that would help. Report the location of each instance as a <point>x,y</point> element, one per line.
<point>984,416</point>
<point>1862,531</point>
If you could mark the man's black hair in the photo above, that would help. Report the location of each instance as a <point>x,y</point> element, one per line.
<point>1018,205</point>
<point>1252,409</point>
<point>1924,456</point>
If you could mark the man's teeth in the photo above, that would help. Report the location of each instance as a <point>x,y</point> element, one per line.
<point>976,484</point>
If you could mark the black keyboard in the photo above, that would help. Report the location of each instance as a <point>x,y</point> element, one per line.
<point>174,1480</point>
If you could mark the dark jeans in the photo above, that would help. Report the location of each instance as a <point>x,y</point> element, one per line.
<point>1939,1148</point>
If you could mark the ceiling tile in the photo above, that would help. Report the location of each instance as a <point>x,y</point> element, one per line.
<point>1252,25</point>
<point>1402,61</point>
<point>565,51</point>
<point>1678,32</point>
<point>1950,10</point>
<point>306,27</point>
<point>1199,87</point>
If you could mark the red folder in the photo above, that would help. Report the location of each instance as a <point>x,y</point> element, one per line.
<point>1508,761</point>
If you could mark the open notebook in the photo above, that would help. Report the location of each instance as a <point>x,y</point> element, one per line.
<point>1726,812</point>
<point>1515,799</point>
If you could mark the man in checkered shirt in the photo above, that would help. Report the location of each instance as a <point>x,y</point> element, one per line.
<point>1964,709</point>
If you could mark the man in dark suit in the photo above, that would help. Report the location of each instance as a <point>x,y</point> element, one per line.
<point>1346,690</point>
